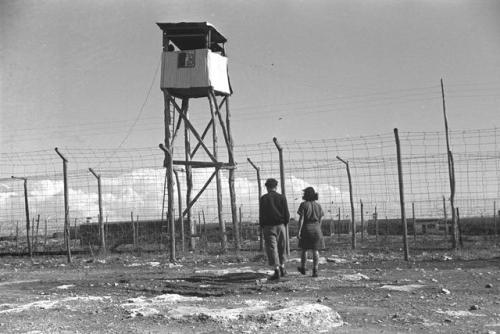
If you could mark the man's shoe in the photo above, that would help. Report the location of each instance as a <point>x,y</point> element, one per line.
<point>283,271</point>
<point>315,273</point>
<point>275,276</point>
<point>302,270</point>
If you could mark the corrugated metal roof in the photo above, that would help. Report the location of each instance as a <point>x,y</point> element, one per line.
<point>191,35</point>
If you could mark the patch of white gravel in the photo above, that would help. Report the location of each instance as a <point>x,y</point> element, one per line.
<point>19,282</point>
<point>290,313</point>
<point>344,277</point>
<point>458,314</point>
<point>403,288</point>
<point>174,298</point>
<point>142,306</point>
<point>65,286</point>
<point>354,277</point>
<point>48,304</point>
<point>304,315</point>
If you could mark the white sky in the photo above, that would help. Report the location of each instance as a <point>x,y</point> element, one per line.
<point>78,73</point>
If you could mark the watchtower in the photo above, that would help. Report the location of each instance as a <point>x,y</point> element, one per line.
<point>194,65</point>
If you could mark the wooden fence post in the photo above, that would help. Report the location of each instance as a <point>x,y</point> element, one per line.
<point>459,229</point>
<point>283,192</point>
<point>240,222</point>
<point>45,235</point>
<point>414,222</point>
<point>76,233</point>
<point>401,195</point>
<point>495,219</point>
<point>66,206</point>
<point>17,235</point>
<point>179,200</point>
<point>37,230</point>
<point>353,222</point>
<point>101,221</point>
<point>204,226</point>
<point>137,230</point>
<point>33,245</point>
<point>451,175</point>
<point>195,229</point>
<point>259,185</point>
<point>362,221</point>
<point>445,214</point>
<point>386,228</point>
<point>339,228</point>
<point>27,211</point>
<point>134,242</point>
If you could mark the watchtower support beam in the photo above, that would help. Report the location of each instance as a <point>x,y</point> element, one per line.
<point>213,102</point>
<point>167,149</point>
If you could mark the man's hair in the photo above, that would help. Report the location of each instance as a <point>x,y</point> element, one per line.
<point>271,183</point>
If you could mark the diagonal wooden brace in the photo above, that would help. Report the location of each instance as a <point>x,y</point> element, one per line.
<point>208,128</point>
<point>200,192</point>
<point>193,130</point>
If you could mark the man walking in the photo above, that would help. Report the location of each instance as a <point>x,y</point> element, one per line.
<point>273,218</point>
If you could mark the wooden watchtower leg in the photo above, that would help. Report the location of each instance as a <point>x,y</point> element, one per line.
<point>169,173</point>
<point>189,173</point>
<point>232,191</point>
<point>212,102</point>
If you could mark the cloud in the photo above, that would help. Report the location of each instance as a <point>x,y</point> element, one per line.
<point>45,188</point>
<point>82,202</point>
<point>129,195</point>
<point>4,196</point>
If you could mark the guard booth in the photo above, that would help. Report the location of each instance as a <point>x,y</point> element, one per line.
<point>194,65</point>
<point>194,60</point>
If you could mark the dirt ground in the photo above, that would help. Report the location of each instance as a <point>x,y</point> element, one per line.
<point>362,291</point>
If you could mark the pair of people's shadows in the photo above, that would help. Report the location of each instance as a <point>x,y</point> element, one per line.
<point>214,285</point>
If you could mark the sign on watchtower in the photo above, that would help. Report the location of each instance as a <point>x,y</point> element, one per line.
<point>194,65</point>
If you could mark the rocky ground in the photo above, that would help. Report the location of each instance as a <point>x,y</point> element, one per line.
<point>357,292</point>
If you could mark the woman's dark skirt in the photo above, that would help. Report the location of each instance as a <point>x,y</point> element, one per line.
<point>311,236</point>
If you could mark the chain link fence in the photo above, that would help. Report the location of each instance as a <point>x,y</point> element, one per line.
<point>133,192</point>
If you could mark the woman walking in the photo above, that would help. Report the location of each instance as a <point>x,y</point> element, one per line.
<point>310,236</point>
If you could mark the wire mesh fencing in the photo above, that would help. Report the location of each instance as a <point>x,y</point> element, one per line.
<point>133,194</point>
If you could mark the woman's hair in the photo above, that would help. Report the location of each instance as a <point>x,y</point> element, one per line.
<point>310,194</point>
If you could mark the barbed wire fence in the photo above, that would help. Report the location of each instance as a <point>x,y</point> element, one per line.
<point>133,191</point>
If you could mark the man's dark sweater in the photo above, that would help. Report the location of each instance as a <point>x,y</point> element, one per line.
<point>273,209</point>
